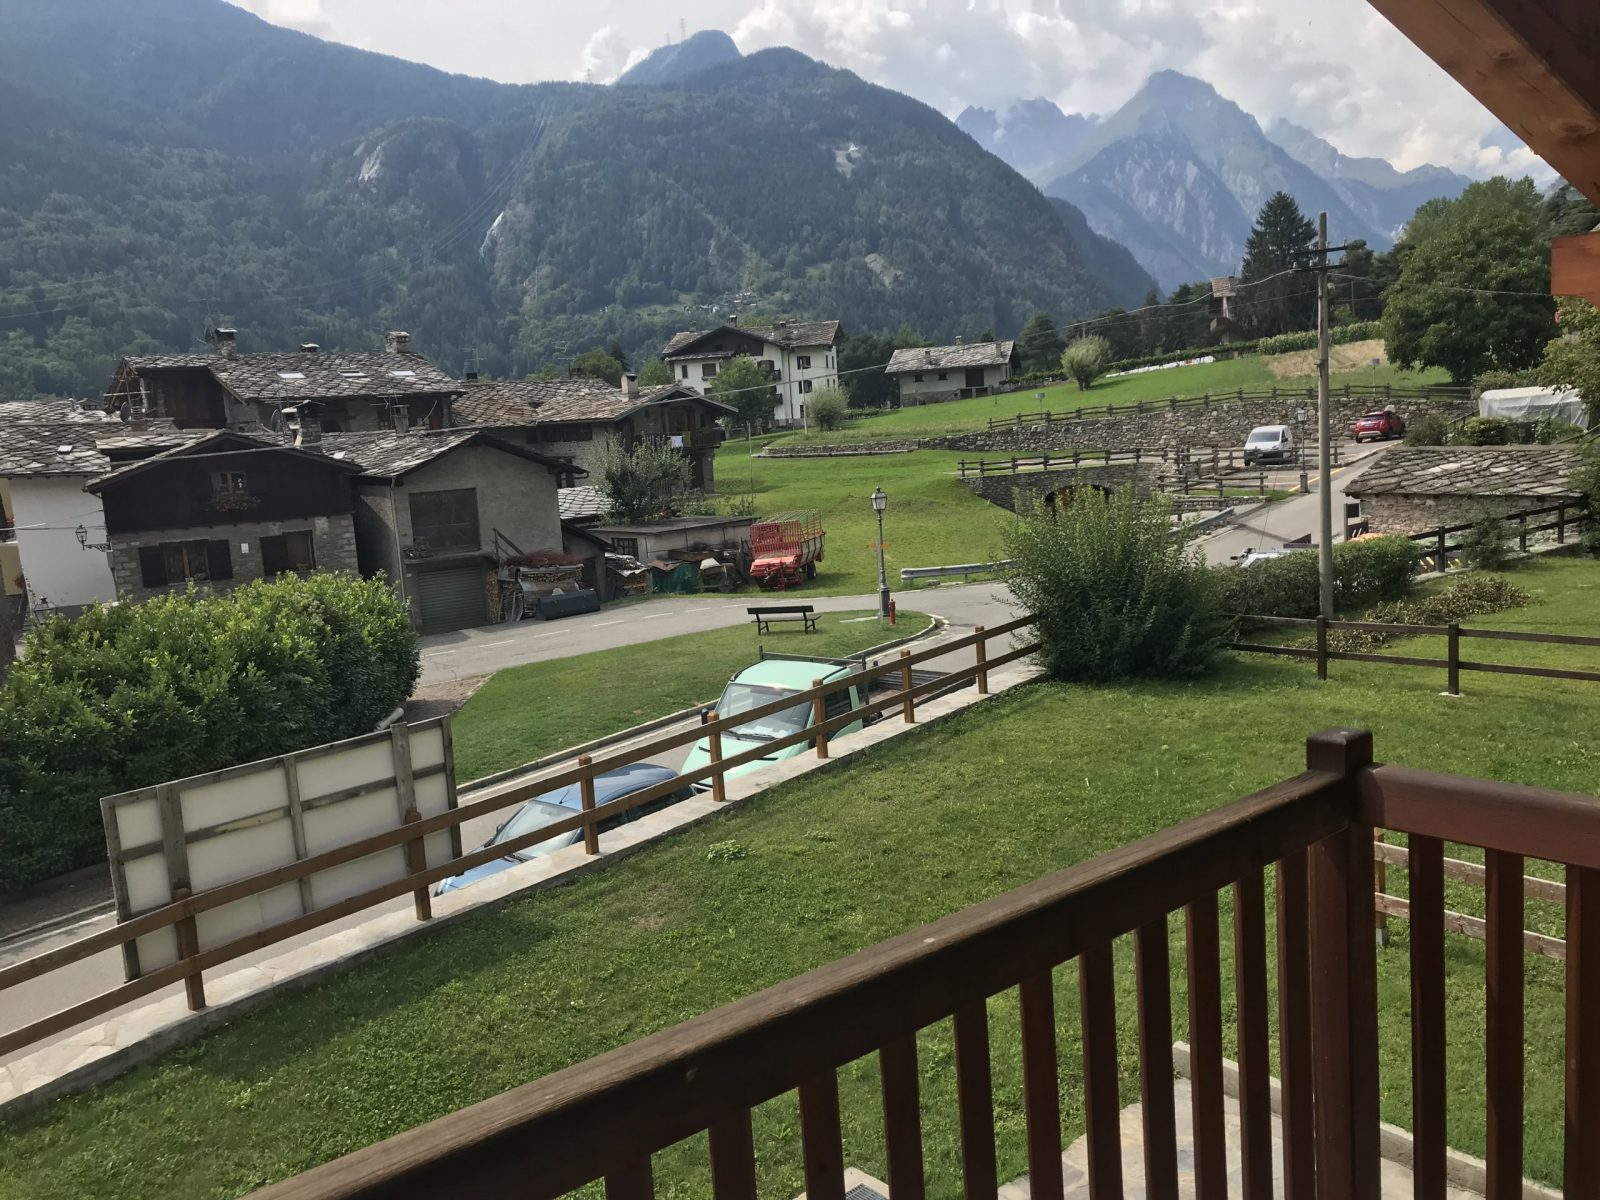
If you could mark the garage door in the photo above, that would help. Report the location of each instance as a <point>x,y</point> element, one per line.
<point>451,599</point>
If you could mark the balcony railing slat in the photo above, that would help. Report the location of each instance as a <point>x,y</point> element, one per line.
<point>902,1118</point>
<point>975,1103</point>
<point>1503,1042</point>
<point>1205,1048</point>
<point>1427,1017</point>
<point>1581,1164</point>
<point>822,1140</point>
<point>1255,1071</point>
<point>1153,981</point>
<point>1294,1029</point>
<point>1097,1006</point>
<point>733,1158</point>
<point>631,1180</point>
<point>1041,1085</point>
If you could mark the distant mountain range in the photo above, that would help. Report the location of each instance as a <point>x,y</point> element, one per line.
<point>1178,174</point>
<point>676,61</point>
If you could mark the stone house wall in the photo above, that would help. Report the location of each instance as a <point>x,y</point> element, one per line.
<point>1393,513</point>
<point>333,541</point>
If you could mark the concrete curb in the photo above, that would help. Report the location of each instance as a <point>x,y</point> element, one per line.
<point>1394,1143</point>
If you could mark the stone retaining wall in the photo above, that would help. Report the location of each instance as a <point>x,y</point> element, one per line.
<point>1002,490</point>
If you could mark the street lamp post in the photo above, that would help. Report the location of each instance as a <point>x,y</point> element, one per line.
<point>880,501</point>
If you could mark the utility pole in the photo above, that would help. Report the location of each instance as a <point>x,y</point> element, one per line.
<point>1324,426</point>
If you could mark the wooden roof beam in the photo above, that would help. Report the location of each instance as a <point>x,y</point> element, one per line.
<point>1535,64</point>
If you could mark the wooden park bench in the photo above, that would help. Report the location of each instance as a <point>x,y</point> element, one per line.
<point>768,615</point>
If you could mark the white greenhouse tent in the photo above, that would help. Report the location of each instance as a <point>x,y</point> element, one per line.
<point>1533,404</point>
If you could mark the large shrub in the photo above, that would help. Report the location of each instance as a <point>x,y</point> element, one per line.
<point>1115,593</point>
<point>1364,572</point>
<point>828,408</point>
<point>1085,359</point>
<point>1487,545</point>
<point>1430,430</point>
<point>129,695</point>
<point>1485,431</point>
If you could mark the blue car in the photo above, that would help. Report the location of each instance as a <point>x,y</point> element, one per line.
<point>563,802</point>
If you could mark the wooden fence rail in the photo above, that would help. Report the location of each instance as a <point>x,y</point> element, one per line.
<point>181,912</point>
<point>1441,549</point>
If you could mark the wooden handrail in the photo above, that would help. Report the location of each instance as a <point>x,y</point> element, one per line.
<point>546,1138</point>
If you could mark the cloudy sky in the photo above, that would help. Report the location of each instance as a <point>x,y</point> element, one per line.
<point>1334,66</point>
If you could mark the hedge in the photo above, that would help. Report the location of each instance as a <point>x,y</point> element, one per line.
<point>1364,572</point>
<point>130,695</point>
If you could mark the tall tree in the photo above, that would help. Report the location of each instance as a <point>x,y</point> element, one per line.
<point>597,364</point>
<point>1474,288</point>
<point>1040,344</point>
<point>745,386</point>
<point>1280,241</point>
<point>655,373</point>
<point>615,350</point>
<point>862,358</point>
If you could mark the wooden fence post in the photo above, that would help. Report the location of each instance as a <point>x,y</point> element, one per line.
<point>819,714</point>
<point>1322,647</point>
<point>1380,884</point>
<point>188,946</point>
<point>908,706</point>
<point>719,783</point>
<point>416,863</point>
<point>1440,561</point>
<point>983,657</point>
<point>1453,655</point>
<point>591,835</point>
<point>1561,523</point>
<point>1522,532</point>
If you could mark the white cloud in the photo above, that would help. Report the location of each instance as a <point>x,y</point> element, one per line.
<point>605,55</point>
<point>307,16</point>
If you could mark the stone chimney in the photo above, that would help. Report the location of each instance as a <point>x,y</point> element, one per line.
<point>309,347</point>
<point>227,345</point>
<point>958,339</point>
<point>471,377</point>
<point>397,342</point>
<point>306,427</point>
<point>630,384</point>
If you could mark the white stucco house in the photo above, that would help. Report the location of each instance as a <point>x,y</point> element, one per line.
<point>801,358</point>
<point>927,374</point>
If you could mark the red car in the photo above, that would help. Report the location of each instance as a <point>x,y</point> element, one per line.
<point>1379,426</point>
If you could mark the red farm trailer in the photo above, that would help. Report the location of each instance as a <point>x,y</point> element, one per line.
<point>786,549</point>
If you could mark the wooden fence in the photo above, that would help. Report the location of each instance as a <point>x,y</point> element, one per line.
<point>1195,463</point>
<point>1452,664</point>
<point>603,1119</point>
<point>1447,542</point>
<point>1379,395</point>
<point>412,831</point>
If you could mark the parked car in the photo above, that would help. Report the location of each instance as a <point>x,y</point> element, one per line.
<point>1269,443</point>
<point>771,679</point>
<point>553,806</point>
<point>1379,426</point>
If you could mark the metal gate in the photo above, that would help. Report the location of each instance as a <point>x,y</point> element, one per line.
<point>451,599</point>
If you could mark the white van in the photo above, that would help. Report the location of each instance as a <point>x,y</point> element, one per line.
<point>1269,443</point>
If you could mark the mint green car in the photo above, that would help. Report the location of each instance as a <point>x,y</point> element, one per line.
<point>766,681</point>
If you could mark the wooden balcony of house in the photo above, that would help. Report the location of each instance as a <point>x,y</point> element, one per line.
<point>1295,866</point>
<point>691,440</point>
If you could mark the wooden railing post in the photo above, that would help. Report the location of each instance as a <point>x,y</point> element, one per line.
<point>1322,647</point>
<point>1453,658</point>
<point>416,863</point>
<point>591,835</point>
<point>1439,559</point>
<point>1344,988</point>
<point>982,648</point>
<point>908,706</point>
<point>1522,532</point>
<point>1380,885</point>
<point>1561,523</point>
<point>719,782</point>
<point>819,714</point>
<point>188,946</point>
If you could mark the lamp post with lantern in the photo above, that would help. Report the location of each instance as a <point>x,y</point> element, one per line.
<point>880,501</point>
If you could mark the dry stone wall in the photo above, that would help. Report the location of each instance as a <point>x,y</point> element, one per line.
<point>1003,490</point>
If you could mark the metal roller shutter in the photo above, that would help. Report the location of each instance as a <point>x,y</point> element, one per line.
<point>451,599</point>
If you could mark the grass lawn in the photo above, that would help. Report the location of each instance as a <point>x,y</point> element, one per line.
<point>524,713</point>
<point>1041,778</point>
<point>1250,374</point>
<point>932,519</point>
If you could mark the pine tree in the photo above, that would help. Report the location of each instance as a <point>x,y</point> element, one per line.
<point>1040,344</point>
<point>1281,240</point>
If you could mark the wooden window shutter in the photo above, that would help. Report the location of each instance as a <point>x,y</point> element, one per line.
<point>152,566</point>
<point>219,563</point>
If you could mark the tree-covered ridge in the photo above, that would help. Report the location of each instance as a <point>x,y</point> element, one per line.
<point>230,172</point>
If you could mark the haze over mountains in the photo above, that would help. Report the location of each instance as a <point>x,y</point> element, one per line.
<point>1179,172</point>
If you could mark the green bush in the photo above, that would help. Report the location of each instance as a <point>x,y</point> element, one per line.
<point>1487,381</point>
<point>1487,545</point>
<point>1373,569</point>
<point>131,695</point>
<point>1431,430</point>
<point>1484,431</point>
<point>1548,430</point>
<point>827,408</point>
<point>1469,596</point>
<point>1115,593</point>
<point>1085,359</point>
<point>1364,572</point>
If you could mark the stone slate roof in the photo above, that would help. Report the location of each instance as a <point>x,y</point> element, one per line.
<point>950,358</point>
<point>214,441</point>
<point>520,402</point>
<point>1469,471</point>
<point>791,336</point>
<point>12,411</point>
<point>390,455</point>
<point>311,375</point>
<point>34,445</point>
<point>582,503</point>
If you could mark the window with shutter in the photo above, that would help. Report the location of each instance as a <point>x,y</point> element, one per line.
<point>152,566</point>
<point>219,563</point>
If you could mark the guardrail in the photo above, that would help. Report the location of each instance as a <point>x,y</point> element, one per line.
<point>911,574</point>
<point>1452,664</point>
<point>1384,393</point>
<point>181,913</point>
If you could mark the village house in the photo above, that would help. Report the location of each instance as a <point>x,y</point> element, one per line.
<point>927,374</point>
<point>439,512</point>
<point>571,419</point>
<point>800,357</point>
<point>1412,489</point>
<point>342,391</point>
<point>223,510</point>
